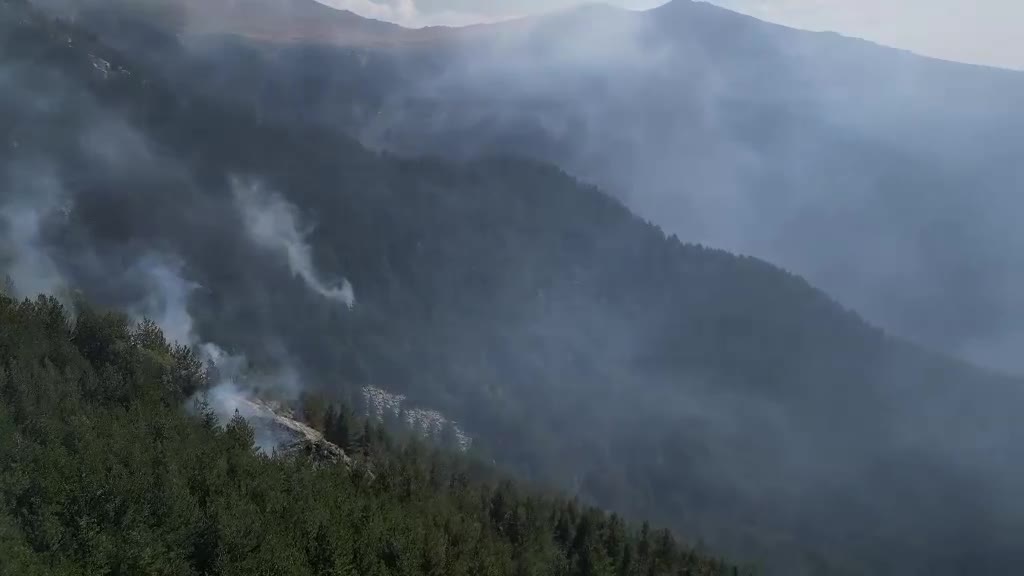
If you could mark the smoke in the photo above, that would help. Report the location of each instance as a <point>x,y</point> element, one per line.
<point>983,32</point>
<point>662,114</point>
<point>407,13</point>
<point>240,390</point>
<point>227,400</point>
<point>35,199</point>
<point>1002,353</point>
<point>236,385</point>
<point>272,223</point>
<point>166,298</point>
<point>166,302</point>
<point>90,201</point>
<point>781,144</point>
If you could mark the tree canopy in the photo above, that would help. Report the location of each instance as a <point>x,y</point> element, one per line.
<point>103,472</point>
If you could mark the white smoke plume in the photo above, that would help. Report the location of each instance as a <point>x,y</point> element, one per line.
<point>235,386</point>
<point>36,198</point>
<point>166,301</point>
<point>407,13</point>
<point>272,223</point>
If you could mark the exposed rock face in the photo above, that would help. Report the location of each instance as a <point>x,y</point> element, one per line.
<point>320,452</point>
<point>276,429</point>
<point>429,423</point>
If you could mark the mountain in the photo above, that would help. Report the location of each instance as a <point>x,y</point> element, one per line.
<point>887,179</point>
<point>276,21</point>
<point>103,472</point>
<point>579,345</point>
<point>276,429</point>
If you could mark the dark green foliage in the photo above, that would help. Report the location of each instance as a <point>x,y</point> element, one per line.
<point>101,472</point>
<point>338,427</point>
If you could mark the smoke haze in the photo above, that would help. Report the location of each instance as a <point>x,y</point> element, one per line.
<point>979,32</point>
<point>586,349</point>
<point>859,167</point>
<point>23,222</point>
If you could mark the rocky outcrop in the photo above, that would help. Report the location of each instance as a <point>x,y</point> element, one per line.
<point>277,431</point>
<point>381,404</point>
<point>319,452</point>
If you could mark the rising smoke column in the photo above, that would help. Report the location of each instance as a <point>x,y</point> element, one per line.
<point>31,198</point>
<point>234,385</point>
<point>272,223</point>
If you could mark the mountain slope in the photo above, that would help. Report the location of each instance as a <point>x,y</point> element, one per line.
<point>278,21</point>
<point>888,179</point>
<point>578,344</point>
<point>808,150</point>
<point>103,472</point>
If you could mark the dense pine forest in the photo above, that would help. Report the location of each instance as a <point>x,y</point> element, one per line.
<point>103,472</point>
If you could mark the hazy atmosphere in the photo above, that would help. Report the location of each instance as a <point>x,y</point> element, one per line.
<point>574,291</point>
<point>462,12</point>
<point>981,32</point>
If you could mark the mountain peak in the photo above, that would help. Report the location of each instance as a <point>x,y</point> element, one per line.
<point>699,9</point>
<point>282,20</point>
<point>271,20</point>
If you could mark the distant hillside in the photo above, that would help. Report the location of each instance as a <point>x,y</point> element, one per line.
<point>278,21</point>
<point>888,179</point>
<point>579,345</point>
<point>885,178</point>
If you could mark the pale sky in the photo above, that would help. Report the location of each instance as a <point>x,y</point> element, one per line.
<point>978,31</point>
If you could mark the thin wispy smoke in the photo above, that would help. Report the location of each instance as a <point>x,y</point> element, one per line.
<point>407,13</point>
<point>80,208</point>
<point>983,32</point>
<point>272,223</point>
<point>166,302</point>
<point>688,116</point>
<point>36,198</point>
<point>167,297</point>
<point>780,144</point>
<point>234,385</point>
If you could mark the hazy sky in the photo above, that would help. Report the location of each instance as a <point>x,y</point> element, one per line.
<point>459,12</point>
<point>978,31</point>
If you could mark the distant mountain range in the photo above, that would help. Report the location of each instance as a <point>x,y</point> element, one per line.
<point>291,21</point>
<point>888,179</point>
<point>578,345</point>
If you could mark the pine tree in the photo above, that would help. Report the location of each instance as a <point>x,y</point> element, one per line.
<point>341,429</point>
<point>240,433</point>
<point>7,287</point>
<point>126,481</point>
<point>207,415</point>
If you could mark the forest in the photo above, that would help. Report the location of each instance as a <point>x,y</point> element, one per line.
<point>103,472</point>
